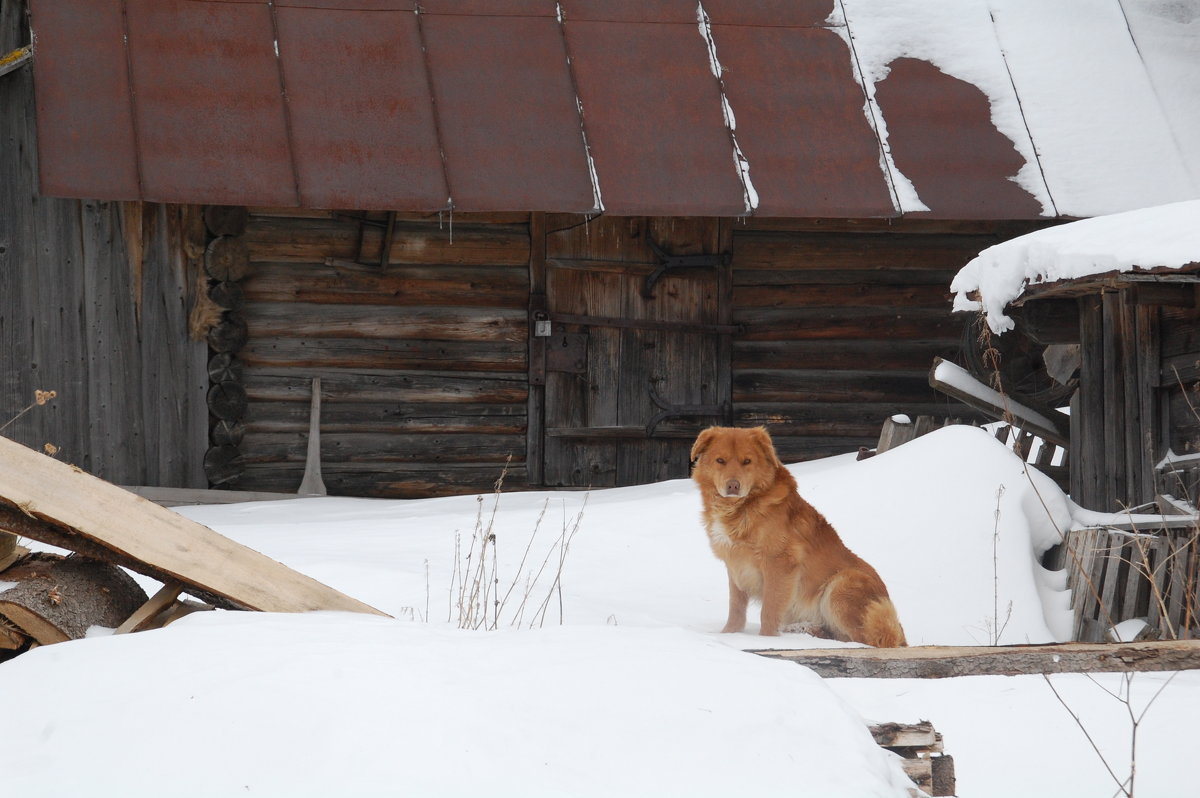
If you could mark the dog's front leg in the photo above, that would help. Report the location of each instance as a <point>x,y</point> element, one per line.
<point>778,587</point>
<point>738,601</point>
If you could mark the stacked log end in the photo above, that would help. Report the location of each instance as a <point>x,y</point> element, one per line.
<point>226,262</point>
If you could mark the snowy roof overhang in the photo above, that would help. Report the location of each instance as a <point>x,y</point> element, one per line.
<point>964,109</point>
<point>1151,244</point>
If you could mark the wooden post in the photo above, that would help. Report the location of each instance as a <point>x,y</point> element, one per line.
<point>312,484</point>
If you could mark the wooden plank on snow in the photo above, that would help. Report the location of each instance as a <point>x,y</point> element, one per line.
<point>939,662</point>
<point>62,505</point>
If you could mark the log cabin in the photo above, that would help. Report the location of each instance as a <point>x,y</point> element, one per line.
<point>544,240</point>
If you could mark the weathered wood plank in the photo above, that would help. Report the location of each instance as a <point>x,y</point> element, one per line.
<point>841,418</point>
<point>347,283</point>
<point>413,480</point>
<point>381,385</point>
<point>277,239</point>
<point>387,417</point>
<point>896,324</point>
<point>798,293</point>
<point>803,385</point>
<point>354,447</point>
<point>875,355</point>
<point>76,506</point>
<point>832,277</point>
<point>941,662</point>
<point>399,354</point>
<point>831,250</point>
<point>302,319</point>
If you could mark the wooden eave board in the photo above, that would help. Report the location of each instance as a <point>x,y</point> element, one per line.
<point>135,528</point>
<point>939,662</point>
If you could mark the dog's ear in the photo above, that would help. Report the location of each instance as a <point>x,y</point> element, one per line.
<point>762,439</point>
<point>703,441</point>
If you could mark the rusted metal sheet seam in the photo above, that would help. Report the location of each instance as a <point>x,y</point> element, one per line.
<point>597,197</point>
<point>739,159</point>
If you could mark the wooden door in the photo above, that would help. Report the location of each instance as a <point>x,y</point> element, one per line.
<point>636,357</point>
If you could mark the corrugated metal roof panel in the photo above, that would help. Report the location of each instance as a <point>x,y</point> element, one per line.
<point>86,142</point>
<point>387,104</point>
<point>652,112</point>
<point>361,117</point>
<point>801,122</point>
<point>771,13</point>
<point>210,116</point>
<point>943,140</point>
<point>509,123</point>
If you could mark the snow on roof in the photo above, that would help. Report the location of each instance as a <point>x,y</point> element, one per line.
<point>1166,236</point>
<point>838,112</point>
<point>1098,97</point>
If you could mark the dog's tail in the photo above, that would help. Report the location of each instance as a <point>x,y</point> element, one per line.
<point>881,626</point>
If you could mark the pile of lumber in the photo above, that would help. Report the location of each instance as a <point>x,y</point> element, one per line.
<point>923,756</point>
<point>48,598</point>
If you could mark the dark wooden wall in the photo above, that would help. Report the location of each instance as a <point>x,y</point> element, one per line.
<point>842,323</point>
<point>94,301</point>
<point>431,381</point>
<point>422,359</point>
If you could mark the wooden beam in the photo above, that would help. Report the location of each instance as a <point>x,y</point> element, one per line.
<point>940,662</point>
<point>957,382</point>
<point>141,617</point>
<point>49,499</point>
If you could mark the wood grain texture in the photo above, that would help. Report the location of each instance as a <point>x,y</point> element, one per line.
<point>942,662</point>
<point>79,506</point>
<point>95,297</point>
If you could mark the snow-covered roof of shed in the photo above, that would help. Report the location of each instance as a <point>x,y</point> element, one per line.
<point>967,109</point>
<point>1162,237</point>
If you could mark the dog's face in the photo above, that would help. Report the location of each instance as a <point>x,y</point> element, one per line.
<point>734,462</point>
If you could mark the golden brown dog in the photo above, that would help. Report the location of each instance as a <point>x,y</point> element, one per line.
<point>779,549</point>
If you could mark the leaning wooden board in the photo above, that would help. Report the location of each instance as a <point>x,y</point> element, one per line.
<point>62,505</point>
<point>939,662</point>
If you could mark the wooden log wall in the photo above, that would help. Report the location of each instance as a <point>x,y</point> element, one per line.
<point>842,323</point>
<point>417,328</point>
<point>94,303</point>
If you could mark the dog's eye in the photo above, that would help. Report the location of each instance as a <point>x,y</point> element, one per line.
<point>746,461</point>
<point>720,461</point>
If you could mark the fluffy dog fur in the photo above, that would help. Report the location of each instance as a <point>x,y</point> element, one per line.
<point>779,549</point>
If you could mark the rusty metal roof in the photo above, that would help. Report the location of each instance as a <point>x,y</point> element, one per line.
<point>633,107</point>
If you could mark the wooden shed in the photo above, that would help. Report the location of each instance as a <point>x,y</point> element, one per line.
<point>1124,288</point>
<point>548,239</point>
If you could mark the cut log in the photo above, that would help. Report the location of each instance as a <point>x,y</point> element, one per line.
<point>60,598</point>
<point>939,662</point>
<point>64,506</point>
<point>227,259</point>
<point>11,638</point>
<point>229,335</point>
<point>227,295</point>
<point>226,220</point>
<point>223,465</point>
<point>227,401</point>
<point>225,367</point>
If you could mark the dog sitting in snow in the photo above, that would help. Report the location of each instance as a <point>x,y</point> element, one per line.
<point>778,549</point>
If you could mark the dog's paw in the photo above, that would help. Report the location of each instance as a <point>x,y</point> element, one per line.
<point>806,628</point>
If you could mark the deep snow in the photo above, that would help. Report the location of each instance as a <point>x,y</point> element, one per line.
<point>635,693</point>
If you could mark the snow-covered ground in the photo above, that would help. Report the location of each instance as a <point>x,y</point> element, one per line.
<point>615,680</point>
